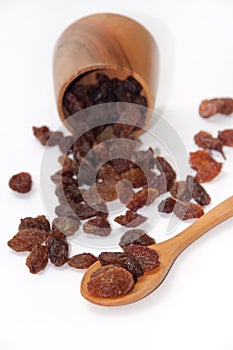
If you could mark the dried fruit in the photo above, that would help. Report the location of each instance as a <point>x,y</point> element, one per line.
<point>25,239</point>
<point>147,257</point>
<point>127,261</point>
<point>145,159</point>
<point>207,168</point>
<point>167,205</point>
<point>37,259</point>
<point>107,190</point>
<point>110,281</point>
<point>144,197</point>
<point>197,191</point>
<point>98,226</point>
<point>136,176</point>
<point>21,182</point>
<point>82,261</point>
<point>107,171</point>
<point>40,222</point>
<point>206,141</point>
<point>130,219</point>
<point>211,107</point>
<point>186,211</point>
<point>226,137</point>
<point>66,224</point>
<point>124,190</point>
<point>167,172</point>
<point>181,191</point>
<point>58,250</point>
<point>42,134</point>
<point>135,236</point>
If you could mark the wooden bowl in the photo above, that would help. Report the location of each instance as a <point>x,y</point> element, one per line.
<point>113,44</point>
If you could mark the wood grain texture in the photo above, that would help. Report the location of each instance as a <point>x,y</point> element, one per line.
<point>168,252</point>
<point>113,43</point>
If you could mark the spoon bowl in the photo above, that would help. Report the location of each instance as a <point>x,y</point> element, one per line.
<point>168,252</point>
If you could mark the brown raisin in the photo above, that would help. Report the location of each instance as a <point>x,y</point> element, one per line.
<point>25,239</point>
<point>110,281</point>
<point>58,250</point>
<point>211,107</point>
<point>147,257</point>
<point>181,191</point>
<point>107,171</point>
<point>206,141</point>
<point>124,190</point>
<point>42,134</point>
<point>197,191</point>
<point>54,138</point>
<point>145,159</point>
<point>136,176</point>
<point>66,224</point>
<point>107,190</point>
<point>186,211</point>
<point>40,222</point>
<point>130,219</point>
<point>82,261</point>
<point>146,196</point>
<point>167,171</point>
<point>37,259</point>
<point>226,137</point>
<point>65,144</point>
<point>127,261</point>
<point>207,168</point>
<point>166,205</point>
<point>21,182</point>
<point>98,226</point>
<point>135,236</point>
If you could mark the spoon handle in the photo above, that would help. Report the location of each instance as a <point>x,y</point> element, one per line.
<point>215,216</point>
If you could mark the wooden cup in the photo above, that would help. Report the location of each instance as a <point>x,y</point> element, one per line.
<point>108,43</point>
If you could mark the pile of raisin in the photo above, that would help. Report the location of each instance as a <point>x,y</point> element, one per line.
<point>45,244</point>
<point>136,259</point>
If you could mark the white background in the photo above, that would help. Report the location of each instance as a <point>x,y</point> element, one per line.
<point>193,308</point>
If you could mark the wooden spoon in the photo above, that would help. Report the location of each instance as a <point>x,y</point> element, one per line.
<point>168,252</point>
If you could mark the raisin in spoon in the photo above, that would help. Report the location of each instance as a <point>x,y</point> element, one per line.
<point>168,252</point>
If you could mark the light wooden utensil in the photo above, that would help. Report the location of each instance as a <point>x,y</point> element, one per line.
<point>106,43</point>
<point>168,252</point>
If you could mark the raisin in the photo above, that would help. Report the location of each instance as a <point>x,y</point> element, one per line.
<point>208,108</point>
<point>37,259</point>
<point>64,210</point>
<point>98,226</point>
<point>42,134</point>
<point>25,239</point>
<point>167,205</point>
<point>66,224</point>
<point>136,176</point>
<point>58,250</point>
<point>40,222</point>
<point>181,191</point>
<point>226,137</point>
<point>144,197</point>
<point>84,211</point>
<point>121,164</point>
<point>135,236</point>
<point>21,182</point>
<point>147,257</point>
<point>107,171</point>
<point>54,138</point>
<point>207,168</point>
<point>65,161</point>
<point>110,281</point>
<point>68,193</point>
<point>197,191</point>
<point>65,144</point>
<point>73,103</point>
<point>127,261</point>
<point>82,261</point>
<point>145,159</point>
<point>130,219</point>
<point>167,171</point>
<point>186,211</point>
<point>206,141</point>
<point>124,190</point>
<point>107,190</point>
<point>91,196</point>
